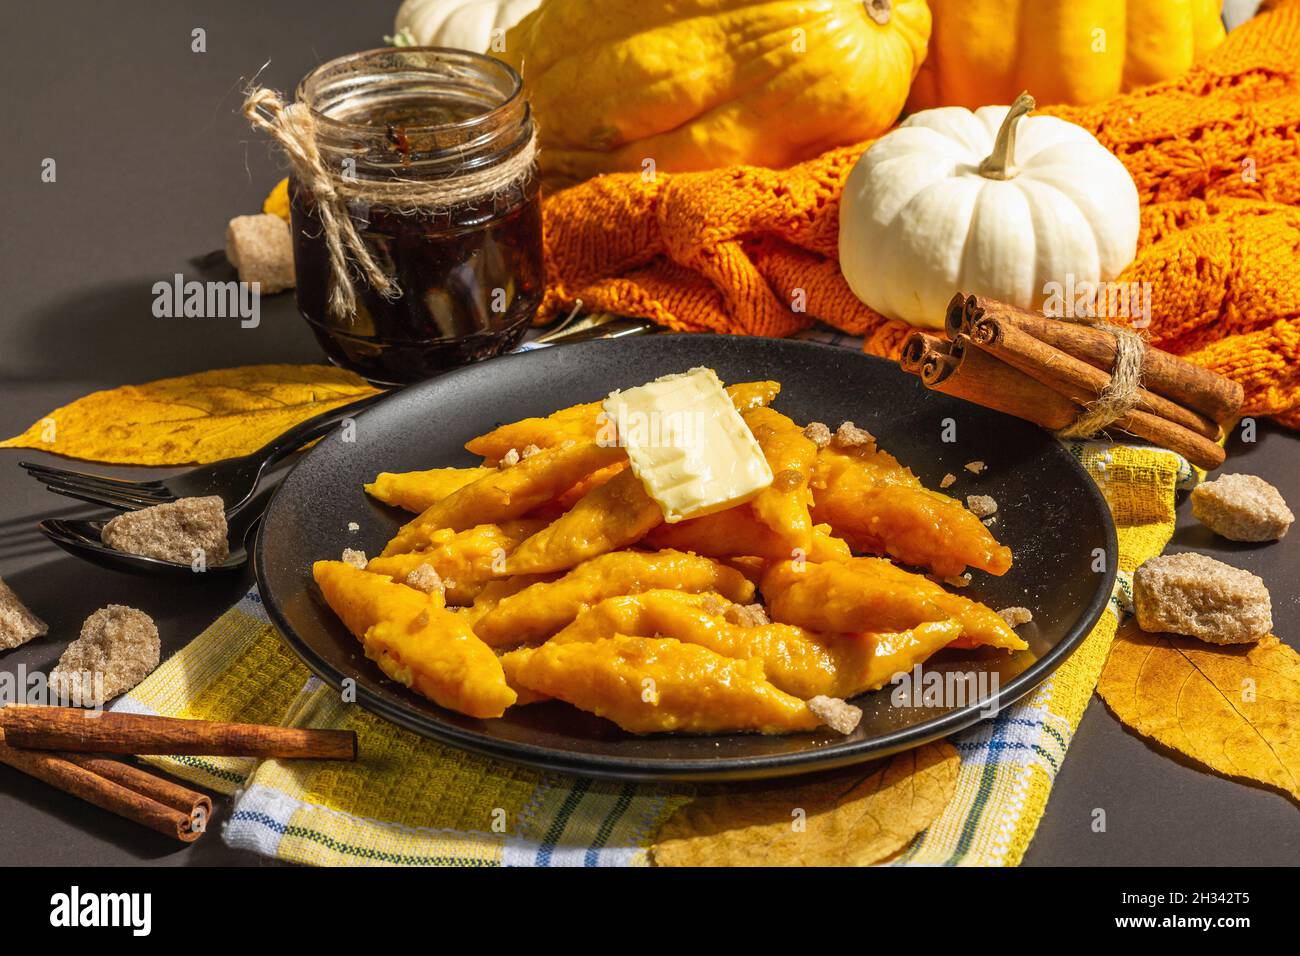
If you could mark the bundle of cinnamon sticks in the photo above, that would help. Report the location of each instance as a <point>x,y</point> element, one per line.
<point>64,747</point>
<point>1048,372</point>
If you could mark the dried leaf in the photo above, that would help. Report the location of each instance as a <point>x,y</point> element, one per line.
<point>850,817</point>
<point>277,200</point>
<point>192,419</point>
<point>1233,708</point>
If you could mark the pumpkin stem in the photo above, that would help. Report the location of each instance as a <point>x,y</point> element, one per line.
<point>878,10</point>
<point>1001,163</point>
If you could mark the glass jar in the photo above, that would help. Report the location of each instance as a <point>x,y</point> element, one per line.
<point>470,274</point>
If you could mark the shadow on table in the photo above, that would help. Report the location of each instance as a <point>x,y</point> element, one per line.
<point>110,335</point>
<point>129,837</point>
<point>20,537</point>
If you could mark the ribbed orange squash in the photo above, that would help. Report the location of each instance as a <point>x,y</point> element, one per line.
<point>985,52</point>
<point>696,84</point>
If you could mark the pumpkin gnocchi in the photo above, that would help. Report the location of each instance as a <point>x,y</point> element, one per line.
<point>549,573</point>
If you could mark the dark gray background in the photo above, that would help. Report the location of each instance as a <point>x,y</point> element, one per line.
<point>153,159</point>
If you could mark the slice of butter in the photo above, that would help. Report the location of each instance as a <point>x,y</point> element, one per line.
<point>687,443</point>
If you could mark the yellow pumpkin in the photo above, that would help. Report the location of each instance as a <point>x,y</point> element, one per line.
<point>695,84</point>
<point>985,52</point>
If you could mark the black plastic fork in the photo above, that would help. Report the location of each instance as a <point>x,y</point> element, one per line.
<point>234,480</point>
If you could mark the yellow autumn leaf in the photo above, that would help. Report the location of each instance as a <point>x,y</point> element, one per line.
<point>849,817</point>
<point>193,419</point>
<point>1233,708</point>
<point>277,201</point>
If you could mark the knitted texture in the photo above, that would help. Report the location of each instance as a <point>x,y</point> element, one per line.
<point>1215,155</point>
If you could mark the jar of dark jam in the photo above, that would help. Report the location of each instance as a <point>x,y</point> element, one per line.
<point>469,274</point>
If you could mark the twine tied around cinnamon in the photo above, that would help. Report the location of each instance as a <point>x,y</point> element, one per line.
<point>293,126</point>
<point>1121,394</point>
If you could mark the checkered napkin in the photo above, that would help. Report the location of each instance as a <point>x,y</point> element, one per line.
<point>412,801</point>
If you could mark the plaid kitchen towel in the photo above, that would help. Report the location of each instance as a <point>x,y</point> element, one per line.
<point>413,801</point>
<point>406,801</point>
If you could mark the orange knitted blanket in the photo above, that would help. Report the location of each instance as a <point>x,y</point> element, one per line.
<point>1215,155</point>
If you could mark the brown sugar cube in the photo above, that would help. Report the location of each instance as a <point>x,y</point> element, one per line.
<point>981,506</point>
<point>1198,596</point>
<point>118,648</point>
<point>261,248</point>
<point>173,531</point>
<point>17,624</point>
<point>1242,508</point>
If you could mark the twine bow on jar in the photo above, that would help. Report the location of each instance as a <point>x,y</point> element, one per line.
<point>293,127</point>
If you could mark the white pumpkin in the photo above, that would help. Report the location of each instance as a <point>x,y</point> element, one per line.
<point>994,202</point>
<point>462,24</point>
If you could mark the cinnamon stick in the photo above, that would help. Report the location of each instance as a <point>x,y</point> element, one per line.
<point>1005,341</point>
<point>1013,344</point>
<point>916,347</point>
<point>965,372</point>
<point>119,788</point>
<point>81,731</point>
<point>1191,386</point>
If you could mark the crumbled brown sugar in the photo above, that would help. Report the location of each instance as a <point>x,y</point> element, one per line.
<point>173,531</point>
<point>1242,508</point>
<point>817,433</point>
<point>714,604</point>
<point>787,479</point>
<point>974,467</point>
<point>849,435</point>
<point>118,648</point>
<point>948,480</point>
<point>1016,615</point>
<point>18,625</point>
<point>425,577</point>
<point>981,506</point>
<point>1194,594</point>
<point>747,615</point>
<point>355,558</point>
<point>839,715</point>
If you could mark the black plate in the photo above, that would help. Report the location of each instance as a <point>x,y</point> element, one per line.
<point>1050,513</point>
